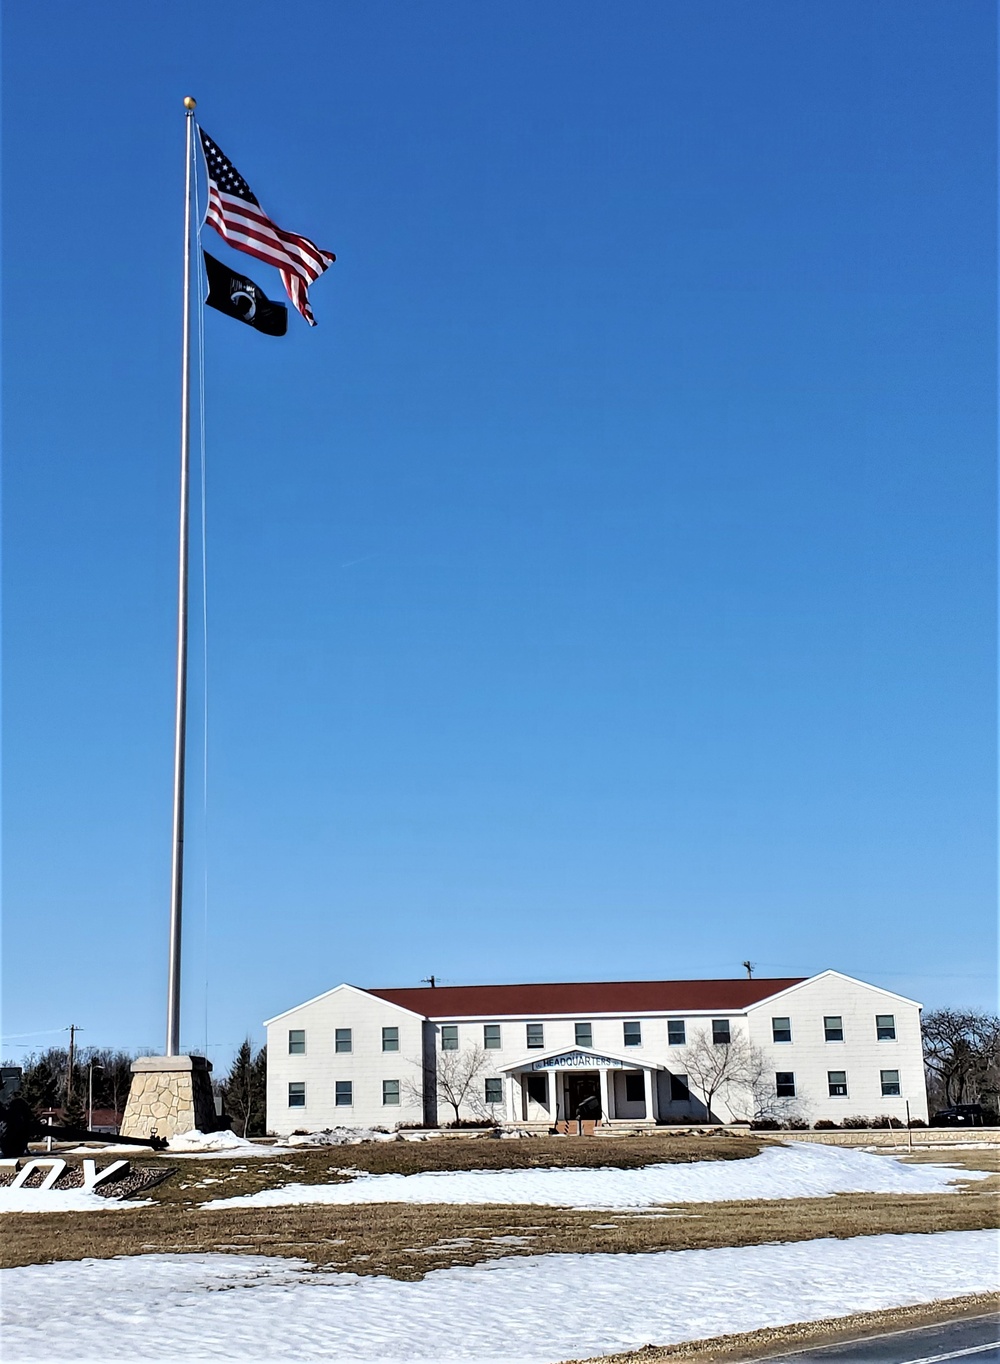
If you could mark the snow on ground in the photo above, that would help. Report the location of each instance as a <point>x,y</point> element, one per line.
<point>341,1136</point>
<point>529,1310</point>
<point>796,1171</point>
<point>195,1143</point>
<point>62,1200</point>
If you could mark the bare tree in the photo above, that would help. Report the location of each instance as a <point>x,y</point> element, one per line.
<point>458,1081</point>
<point>962,1056</point>
<point>736,1069</point>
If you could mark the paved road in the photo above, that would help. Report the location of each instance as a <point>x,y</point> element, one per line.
<point>972,1339</point>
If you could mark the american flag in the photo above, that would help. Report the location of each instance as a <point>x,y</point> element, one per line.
<point>236,215</point>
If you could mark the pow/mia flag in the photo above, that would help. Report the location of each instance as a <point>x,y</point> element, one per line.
<point>239,297</point>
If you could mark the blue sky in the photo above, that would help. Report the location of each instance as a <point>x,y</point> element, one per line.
<point>604,588</point>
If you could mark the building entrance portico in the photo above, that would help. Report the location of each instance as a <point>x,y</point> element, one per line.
<point>559,1086</point>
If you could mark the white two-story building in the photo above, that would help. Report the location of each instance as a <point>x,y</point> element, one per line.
<point>662,1051</point>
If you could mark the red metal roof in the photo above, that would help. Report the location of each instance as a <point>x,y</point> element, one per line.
<point>584,998</point>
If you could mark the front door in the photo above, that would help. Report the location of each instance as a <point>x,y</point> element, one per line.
<point>583,1091</point>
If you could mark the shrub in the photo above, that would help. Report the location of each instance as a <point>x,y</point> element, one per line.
<point>857,1121</point>
<point>765,1125</point>
<point>917,1122</point>
<point>797,1125</point>
<point>885,1120</point>
<point>825,1125</point>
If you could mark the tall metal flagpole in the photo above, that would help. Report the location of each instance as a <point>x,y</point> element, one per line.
<point>180,715</point>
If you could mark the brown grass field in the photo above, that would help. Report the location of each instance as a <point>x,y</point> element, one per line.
<point>406,1241</point>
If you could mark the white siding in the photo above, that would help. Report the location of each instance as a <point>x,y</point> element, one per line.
<point>808,1056</point>
<point>366,1066</point>
<point>861,1056</point>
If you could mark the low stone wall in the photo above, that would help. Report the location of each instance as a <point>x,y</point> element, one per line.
<point>895,1136</point>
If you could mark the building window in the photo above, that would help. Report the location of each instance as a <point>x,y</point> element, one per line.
<point>449,1037</point>
<point>494,1091</point>
<point>584,1035</point>
<point>343,1093</point>
<point>390,1039</point>
<point>781,1029</point>
<point>534,1035</point>
<point>342,1040</point>
<point>784,1084</point>
<point>390,1091</point>
<point>491,1036</point>
<point>635,1089</point>
<point>837,1081</point>
<point>633,1034</point>
<point>296,1042</point>
<point>890,1084</point>
<point>720,1032</point>
<point>885,1027</point>
<point>679,1092</point>
<point>676,1035</point>
<point>297,1094</point>
<point>833,1026</point>
<point>537,1087</point>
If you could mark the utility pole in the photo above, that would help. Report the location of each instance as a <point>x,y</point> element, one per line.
<point>429,980</point>
<point>71,1056</point>
<point>749,965</point>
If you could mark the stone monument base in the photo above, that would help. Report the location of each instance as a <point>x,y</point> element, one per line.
<point>169,1094</point>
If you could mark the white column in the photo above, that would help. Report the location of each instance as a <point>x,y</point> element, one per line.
<point>606,1094</point>
<point>511,1082</point>
<point>648,1084</point>
<point>554,1094</point>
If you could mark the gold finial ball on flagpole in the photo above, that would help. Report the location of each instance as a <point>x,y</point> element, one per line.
<point>189,102</point>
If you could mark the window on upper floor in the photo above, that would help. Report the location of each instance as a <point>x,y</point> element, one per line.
<point>885,1027</point>
<point>534,1035</point>
<point>390,1039</point>
<point>676,1032</point>
<point>390,1092</point>
<point>635,1087</point>
<point>781,1029</point>
<point>679,1090</point>
<point>449,1037</point>
<point>833,1027</point>
<point>633,1034</point>
<point>720,1032</point>
<point>296,1042</point>
<point>494,1091</point>
<point>837,1083</point>
<point>343,1040</point>
<point>297,1094</point>
<point>890,1084</point>
<point>491,1036</point>
<point>584,1035</point>
<point>784,1084</point>
<point>343,1093</point>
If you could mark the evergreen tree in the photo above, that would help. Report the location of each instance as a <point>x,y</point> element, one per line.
<point>244,1091</point>
<point>39,1087</point>
<point>74,1113</point>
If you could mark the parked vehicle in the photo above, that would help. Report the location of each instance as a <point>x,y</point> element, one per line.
<point>963,1115</point>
